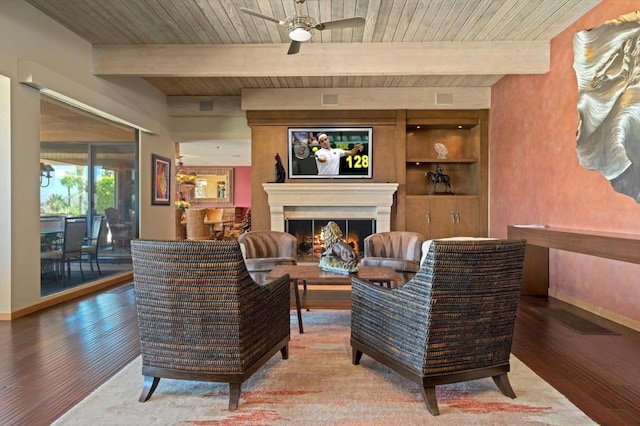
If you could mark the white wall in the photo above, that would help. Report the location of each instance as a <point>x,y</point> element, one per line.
<point>5,187</point>
<point>38,50</point>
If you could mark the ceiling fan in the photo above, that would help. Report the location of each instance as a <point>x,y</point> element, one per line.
<point>300,25</point>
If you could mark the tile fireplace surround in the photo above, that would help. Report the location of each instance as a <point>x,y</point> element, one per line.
<point>361,200</point>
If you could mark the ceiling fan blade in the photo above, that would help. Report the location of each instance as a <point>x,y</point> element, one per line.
<point>294,47</point>
<point>260,15</point>
<point>341,23</point>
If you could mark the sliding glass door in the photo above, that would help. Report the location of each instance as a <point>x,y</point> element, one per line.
<point>88,173</point>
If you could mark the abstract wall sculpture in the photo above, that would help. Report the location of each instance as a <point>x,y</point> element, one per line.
<point>607,66</point>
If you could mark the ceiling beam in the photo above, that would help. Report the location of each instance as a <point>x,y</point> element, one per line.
<point>323,59</point>
<point>458,98</point>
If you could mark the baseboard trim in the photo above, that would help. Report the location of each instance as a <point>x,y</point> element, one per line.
<point>67,295</point>
<point>596,310</point>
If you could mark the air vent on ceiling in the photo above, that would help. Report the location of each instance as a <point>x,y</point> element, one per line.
<point>444,98</point>
<point>206,106</point>
<point>329,99</point>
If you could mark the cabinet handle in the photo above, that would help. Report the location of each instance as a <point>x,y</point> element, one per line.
<point>457,216</point>
<point>453,216</point>
<point>428,216</point>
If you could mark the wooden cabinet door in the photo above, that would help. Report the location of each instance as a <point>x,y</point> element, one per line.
<point>467,214</point>
<point>418,216</point>
<point>456,217</point>
<point>443,218</point>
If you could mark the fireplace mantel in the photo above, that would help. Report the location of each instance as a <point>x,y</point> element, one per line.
<point>331,200</point>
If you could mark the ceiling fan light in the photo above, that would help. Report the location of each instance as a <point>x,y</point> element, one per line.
<point>299,34</point>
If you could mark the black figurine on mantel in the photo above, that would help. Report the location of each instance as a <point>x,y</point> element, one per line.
<point>439,177</point>
<point>281,174</point>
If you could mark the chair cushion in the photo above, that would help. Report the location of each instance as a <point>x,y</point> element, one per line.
<point>261,244</point>
<point>394,244</point>
<point>51,255</point>
<point>391,262</point>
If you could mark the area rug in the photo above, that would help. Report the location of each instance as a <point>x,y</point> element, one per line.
<point>318,385</point>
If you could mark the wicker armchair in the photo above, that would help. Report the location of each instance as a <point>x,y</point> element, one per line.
<point>452,322</point>
<point>399,250</point>
<point>202,317</point>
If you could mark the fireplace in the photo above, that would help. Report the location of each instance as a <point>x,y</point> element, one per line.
<point>303,208</point>
<point>330,200</point>
<point>308,233</point>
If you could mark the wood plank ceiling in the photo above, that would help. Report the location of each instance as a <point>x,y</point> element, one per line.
<point>388,22</point>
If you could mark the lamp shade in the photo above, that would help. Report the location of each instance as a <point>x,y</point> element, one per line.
<point>299,34</point>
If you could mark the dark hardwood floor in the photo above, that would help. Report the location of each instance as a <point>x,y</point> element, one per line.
<point>51,360</point>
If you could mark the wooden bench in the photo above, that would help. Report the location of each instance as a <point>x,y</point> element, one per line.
<point>610,245</point>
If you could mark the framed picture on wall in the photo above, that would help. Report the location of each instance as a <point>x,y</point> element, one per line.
<point>330,153</point>
<point>161,180</point>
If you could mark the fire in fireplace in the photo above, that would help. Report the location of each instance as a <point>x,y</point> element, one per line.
<point>308,233</point>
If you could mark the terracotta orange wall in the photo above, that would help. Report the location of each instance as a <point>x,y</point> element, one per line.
<point>242,186</point>
<point>535,177</point>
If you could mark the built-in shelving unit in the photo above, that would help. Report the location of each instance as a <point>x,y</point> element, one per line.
<point>437,214</point>
<point>403,154</point>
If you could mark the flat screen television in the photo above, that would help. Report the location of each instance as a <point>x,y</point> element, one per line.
<point>347,155</point>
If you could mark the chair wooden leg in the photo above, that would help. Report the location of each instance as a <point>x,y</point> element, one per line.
<point>304,289</point>
<point>429,396</point>
<point>502,381</point>
<point>356,355</point>
<point>150,384</point>
<point>297,297</point>
<point>234,395</point>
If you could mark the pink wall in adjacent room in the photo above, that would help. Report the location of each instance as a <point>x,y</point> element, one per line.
<point>242,186</point>
<point>535,177</point>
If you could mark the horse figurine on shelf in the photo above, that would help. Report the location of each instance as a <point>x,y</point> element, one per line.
<point>439,177</point>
